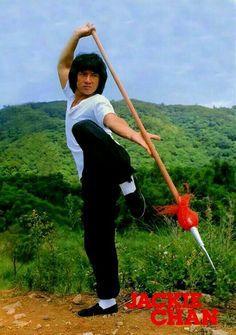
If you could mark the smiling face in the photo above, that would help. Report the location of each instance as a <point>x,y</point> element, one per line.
<point>87,83</point>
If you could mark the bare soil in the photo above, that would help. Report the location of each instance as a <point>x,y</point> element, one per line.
<point>37,313</point>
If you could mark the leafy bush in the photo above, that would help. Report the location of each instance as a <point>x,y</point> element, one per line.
<point>169,259</point>
<point>60,267</point>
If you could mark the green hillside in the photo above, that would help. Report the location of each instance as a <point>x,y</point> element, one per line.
<point>41,230</point>
<point>191,135</point>
<point>32,136</point>
<point>197,146</point>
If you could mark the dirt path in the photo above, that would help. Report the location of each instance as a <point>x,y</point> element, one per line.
<point>41,314</point>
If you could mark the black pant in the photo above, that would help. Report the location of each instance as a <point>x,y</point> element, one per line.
<point>106,165</point>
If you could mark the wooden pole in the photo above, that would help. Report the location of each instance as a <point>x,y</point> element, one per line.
<point>139,123</point>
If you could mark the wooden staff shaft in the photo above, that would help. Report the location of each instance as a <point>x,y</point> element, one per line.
<point>139,123</point>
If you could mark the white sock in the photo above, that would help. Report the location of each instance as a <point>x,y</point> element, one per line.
<point>106,303</point>
<point>128,186</point>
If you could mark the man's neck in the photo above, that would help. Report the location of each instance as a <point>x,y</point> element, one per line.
<point>79,97</point>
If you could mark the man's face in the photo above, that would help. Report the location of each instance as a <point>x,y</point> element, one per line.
<point>87,82</point>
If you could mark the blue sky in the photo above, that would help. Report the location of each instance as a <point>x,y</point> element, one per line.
<point>164,51</point>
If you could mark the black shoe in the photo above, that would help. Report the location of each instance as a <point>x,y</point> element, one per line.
<point>97,310</point>
<point>136,203</point>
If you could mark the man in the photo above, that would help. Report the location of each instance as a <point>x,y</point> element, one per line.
<point>103,165</point>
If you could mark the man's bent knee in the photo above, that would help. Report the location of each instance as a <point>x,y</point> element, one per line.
<point>82,125</point>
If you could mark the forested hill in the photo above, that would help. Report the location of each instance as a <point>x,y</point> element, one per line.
<point>37,171</point>
<point>41,226</point>
<point>32,138</point>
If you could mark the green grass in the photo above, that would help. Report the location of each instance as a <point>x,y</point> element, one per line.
<point>167,259</point>
<point>5,274</point>
<point>170,259</point>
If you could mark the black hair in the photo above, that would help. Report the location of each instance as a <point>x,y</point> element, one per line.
<point>92,62</point>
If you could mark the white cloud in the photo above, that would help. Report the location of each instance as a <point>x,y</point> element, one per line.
<point>218,104</point>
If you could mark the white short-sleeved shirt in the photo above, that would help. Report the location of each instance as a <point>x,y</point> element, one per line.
<point>94,108</point>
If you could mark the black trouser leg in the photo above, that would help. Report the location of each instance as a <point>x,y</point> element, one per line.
<point>99,216</point>
<point>102,155</point>
<point>106,164</point>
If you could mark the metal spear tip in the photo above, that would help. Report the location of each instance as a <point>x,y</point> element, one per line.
<point>199,240</point>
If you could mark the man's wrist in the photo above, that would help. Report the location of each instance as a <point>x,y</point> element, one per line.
<point>76,35</point>
<point>133,135</point>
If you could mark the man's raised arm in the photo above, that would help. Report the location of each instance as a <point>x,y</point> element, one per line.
<point>67,55</point>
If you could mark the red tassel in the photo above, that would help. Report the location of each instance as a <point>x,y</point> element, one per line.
<point>187,218</point>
